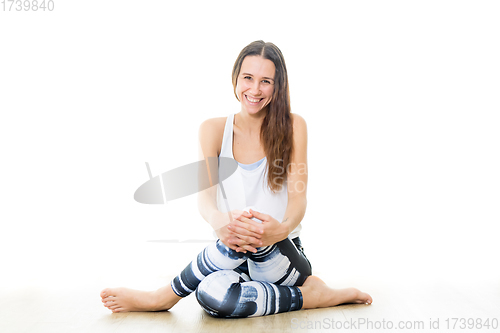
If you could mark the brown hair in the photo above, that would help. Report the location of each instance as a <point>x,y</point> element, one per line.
<point>276,132</point>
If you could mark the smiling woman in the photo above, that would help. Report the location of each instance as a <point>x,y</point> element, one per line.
<point>257,266</point>
<point>259,77</point>
<point>256,88</point>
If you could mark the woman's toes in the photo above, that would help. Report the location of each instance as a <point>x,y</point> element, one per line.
<point>109,299</point>
<point>353,295</point>
<point>105,293</point>
<point>364,298</point>
<point>109,303</point>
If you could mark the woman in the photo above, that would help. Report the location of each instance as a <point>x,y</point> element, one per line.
<point>257,266</point>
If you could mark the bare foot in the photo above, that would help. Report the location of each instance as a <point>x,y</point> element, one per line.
<point>316,294</point>
<point>125,300</point>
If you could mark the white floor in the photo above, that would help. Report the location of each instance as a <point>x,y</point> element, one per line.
<point>67,299</point>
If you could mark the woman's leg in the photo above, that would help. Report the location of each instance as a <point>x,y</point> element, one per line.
<point>282,283</point>
<point>214,257</point>
<point>316,294</point>
<point>276,271</point>
<point>281,263</point>
<point>225,294</point>
<point>284,264</point>
<point>126,300</point>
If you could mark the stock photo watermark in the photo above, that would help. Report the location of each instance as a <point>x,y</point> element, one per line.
<point>27,5</point>
<point>291,169</point>
<point>381,324</point>
<point>199,176</point>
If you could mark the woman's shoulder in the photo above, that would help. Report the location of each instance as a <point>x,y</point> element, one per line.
<point>213,125</point>
<point>298,123</point>
<point>212,131</point>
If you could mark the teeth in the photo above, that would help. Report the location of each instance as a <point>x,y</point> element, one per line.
<point>253,100</point>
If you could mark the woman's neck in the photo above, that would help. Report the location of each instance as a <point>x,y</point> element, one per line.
<point>249,123</point>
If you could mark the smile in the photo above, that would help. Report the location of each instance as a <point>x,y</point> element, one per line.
<point>253,101</point>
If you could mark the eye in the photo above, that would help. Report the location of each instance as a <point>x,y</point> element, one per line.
<point>247,77</point>
<point>266,81</point>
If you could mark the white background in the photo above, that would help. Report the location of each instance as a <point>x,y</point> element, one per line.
<point>401,100</point>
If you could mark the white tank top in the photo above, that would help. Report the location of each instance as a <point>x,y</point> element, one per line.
<point>247,189</point>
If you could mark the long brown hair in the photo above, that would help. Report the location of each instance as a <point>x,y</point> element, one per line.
<point>276,132</point>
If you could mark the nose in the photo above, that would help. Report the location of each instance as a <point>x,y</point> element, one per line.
<point>255,88</point>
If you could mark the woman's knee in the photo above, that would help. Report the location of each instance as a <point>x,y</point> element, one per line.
<point>219,293</point>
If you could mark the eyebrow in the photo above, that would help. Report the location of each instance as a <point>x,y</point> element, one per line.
<point>269,78</point>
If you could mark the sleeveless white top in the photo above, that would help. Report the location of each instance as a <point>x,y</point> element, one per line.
<point>247,189</point>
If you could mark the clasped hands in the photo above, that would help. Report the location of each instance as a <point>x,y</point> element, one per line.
<point>244,234</point>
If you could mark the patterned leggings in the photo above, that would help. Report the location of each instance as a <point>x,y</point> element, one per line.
<point>224,290</point>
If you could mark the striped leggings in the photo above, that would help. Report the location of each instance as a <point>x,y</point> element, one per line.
<point>225,289</point>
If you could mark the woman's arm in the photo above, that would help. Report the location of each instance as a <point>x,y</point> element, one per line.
<point>207,199</point>
<point>297,178</point>
<point>273,231</point>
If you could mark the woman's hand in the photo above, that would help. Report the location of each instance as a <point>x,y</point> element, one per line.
<point>246,232</point>
<point>272,230</point>
<point>225,235</point>
<point>237,235</point>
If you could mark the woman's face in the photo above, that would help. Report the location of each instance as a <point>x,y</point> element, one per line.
<point>255,83</point>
